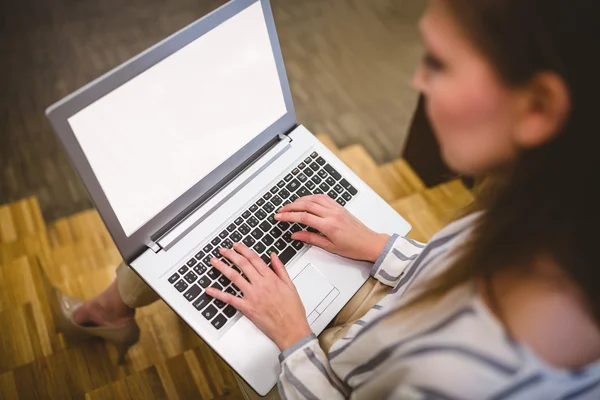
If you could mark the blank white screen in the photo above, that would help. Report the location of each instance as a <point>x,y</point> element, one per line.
<point>153,138</point>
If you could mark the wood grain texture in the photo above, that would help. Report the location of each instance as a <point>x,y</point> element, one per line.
<point>170,361</point>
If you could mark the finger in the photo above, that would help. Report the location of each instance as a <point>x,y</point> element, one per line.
<point>313,238</point>
<point>280,270</point>
<point>237,302</point>
<point>302,218</point>
<point>231,274</point>
<point>305,204</point>
<point>251,256</point>
<point>242,262</point>
<point>325,201</point>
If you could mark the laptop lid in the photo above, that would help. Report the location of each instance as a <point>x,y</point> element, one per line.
<point>156,136</point>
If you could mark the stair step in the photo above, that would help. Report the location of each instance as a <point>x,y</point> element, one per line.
<point>409,175</point>
<point>20,219</point>
<point>361,163</point>
<point>400,179</point>
<point>417,211</point>
<point>328,142</point>
<point>448,199</point>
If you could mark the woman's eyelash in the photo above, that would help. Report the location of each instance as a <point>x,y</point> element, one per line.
<point>432,62</point>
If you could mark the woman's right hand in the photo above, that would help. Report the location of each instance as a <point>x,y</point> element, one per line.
<point>342,233</point>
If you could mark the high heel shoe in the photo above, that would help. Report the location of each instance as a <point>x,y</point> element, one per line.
<point>63,307</point>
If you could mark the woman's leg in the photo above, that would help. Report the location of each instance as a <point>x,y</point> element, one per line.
<point>116,305</point>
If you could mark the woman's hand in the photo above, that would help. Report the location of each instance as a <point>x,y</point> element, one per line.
<point>270,299</point>
<point>342,233</point>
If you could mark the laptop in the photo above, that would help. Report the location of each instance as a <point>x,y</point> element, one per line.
<point>193,145</point>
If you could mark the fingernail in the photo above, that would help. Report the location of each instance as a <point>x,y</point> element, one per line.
<point>277,216</point>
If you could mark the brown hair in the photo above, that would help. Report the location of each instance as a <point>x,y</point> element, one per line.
<point>548,202</point>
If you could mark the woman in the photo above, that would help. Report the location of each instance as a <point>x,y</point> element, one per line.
<point>501,303</point>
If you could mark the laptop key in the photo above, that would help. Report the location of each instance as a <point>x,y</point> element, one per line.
<point>321,161</point>
<point>284,193</point>
<point>207,248</point>
<point>238,222</point>
<point>216,286</point>
<point>244,229</point>
<point>267,196</point>
<point>209,313</point>
<point>324,187</point>
<point>268,240</point>
<point>295,228</point>
<point>283,226</point>
<point>314,154</point>
<point>253,208</point>
<point>310,185</point>
<point>249,241</point>
<point>269,207</point>
<point>293,185</point>
<point>261,214</point>
<point>246,214</point>
<point>281,184</point>
<point>213,273</point>
<point>183,269</point>
<point>223,280</point>
<point>309,172</point>
<point>230,311</point>
<point>287,237</point>
<point>298,245</point>
<point>294,197</point>
<point>181,285</point>
<point>219,321</point>
<point>206,260</point>
<point>280,244</point>
<point>202,302</point>
<point>336,175</point>
<point>230,228</point>
<point>338,188</point>
<point>302,178</point>
<point>276,200</point>
<point>191,277</point>
<point>257,234</point>
<point>316,179</point>
<point>332,194</point>
<point>173,278</point>
<point>314,166</point>
<point>224,234</point>
<point>193,292</point>
<point>219,303</point>
<point>288,177</point>
<point>266,258</point>
<point>295,171</point>
<point>191,262</point>
<point>347,196</point>
<point>274,189</point>
<point>303,191</point>
<point>252,221</point>
<point>307,160</point>
<point>199,255</point>
<point>322,174</point>
<point>302,165</point>
<point>318,191</point>
<point>200,269</point>
<point>276,232</point>
<point>341,201</point>
<point>236,237</point>
<point>271,219</point>
<point>217,240</point>
<point>215,252</point>
<point>260,202</point>
<point>204,281</point>
<point>286,255</point>
<point>227,244</point>
<point>330,181</point>
<point>265,226</point>
<point>259,247</point>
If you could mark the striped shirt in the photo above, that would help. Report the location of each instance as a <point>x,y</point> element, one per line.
<point>454,348</point>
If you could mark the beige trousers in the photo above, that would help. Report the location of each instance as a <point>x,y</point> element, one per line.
<point>135,293</point>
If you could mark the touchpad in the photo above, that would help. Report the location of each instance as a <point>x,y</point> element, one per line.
<point>312,287</point>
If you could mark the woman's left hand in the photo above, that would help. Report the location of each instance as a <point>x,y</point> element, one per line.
<point>270,299</point>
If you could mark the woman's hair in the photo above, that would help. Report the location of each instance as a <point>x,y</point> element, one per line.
<point>547,204</point>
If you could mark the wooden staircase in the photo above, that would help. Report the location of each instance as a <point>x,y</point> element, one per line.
<point>170,361</point>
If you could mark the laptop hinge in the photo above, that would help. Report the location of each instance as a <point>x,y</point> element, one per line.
<point>187,223</point>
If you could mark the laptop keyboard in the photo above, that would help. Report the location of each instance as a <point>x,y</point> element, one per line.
<point>256,228</point>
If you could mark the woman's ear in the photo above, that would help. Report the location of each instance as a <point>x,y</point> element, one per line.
<point>545,109</point>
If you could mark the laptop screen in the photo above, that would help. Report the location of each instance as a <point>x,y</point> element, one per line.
<point>153,138</point>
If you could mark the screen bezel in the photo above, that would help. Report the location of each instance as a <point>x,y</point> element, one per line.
<point>132,246</point>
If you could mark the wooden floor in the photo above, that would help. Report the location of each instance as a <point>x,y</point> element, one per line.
<point>349,64</point>
<point>170,361</point>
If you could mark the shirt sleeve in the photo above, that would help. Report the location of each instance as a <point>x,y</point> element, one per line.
<point>306,373</point>
<point>397,255</point>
